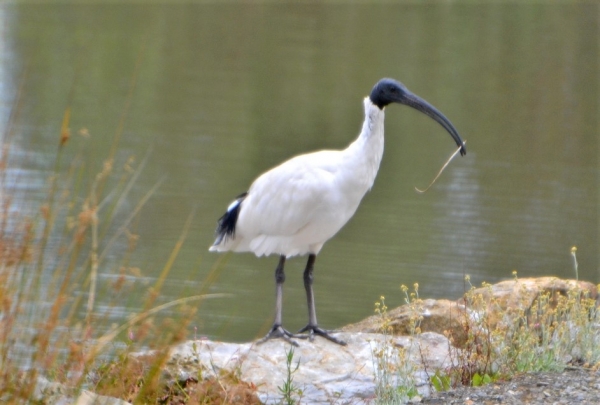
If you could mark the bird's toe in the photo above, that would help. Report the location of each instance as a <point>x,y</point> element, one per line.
<point>313,330</point>
<point>279,332</point>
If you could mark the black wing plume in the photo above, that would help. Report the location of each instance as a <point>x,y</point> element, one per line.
<point>226,224</point>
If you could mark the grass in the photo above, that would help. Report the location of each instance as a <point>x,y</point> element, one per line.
<point>51,256</point>
<point>46,326</point>
<point>127,378</point>
<point>49,329</point>
<point>553,332</point>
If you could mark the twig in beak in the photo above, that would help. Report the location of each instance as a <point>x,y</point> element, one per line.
<point>442,169</point>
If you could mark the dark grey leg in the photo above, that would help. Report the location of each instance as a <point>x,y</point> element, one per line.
<point>277,331</point>
<point>312,327</point>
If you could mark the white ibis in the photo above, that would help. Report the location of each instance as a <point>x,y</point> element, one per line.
<point>294,208</point>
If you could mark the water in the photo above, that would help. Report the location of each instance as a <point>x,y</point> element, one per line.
<point>216,94</point>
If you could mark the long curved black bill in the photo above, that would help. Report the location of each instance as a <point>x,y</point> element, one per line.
<point>418,103</point>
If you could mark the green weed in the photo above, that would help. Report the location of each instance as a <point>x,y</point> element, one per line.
<point>291,394</point>
<point>395,381</point>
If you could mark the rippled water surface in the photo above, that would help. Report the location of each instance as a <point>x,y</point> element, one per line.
<point>210,96</point>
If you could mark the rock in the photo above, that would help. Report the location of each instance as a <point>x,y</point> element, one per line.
<point>520,293</point>
<point>50,392</point>
<point>327,372</point>
<point>450,317</point>
<point>90,398</point>
<point>58,394</point>
<point>439,316</point>
<point>512,297</point>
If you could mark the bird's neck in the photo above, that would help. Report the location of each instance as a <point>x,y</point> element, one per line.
<point>367,150</point>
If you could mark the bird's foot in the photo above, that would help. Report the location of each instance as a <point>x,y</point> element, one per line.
<point>315,330</point>
<point>277,331</point>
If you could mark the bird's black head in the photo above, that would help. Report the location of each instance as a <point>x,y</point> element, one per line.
<point>387,91</point>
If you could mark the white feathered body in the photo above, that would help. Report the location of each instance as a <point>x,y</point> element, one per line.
<point>294,208</point>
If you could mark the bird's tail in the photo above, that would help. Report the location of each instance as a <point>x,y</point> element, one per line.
<point>227,223</point>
